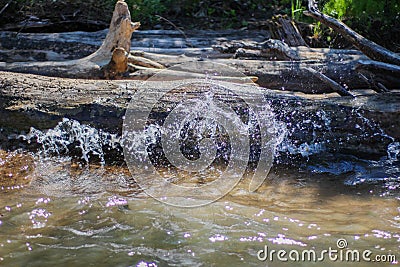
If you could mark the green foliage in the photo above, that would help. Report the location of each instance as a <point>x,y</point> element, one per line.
<point>145,11</point>
<point>297,9</point>
<point>337,8</point>
<point>363,10</point>
<point>372,18</point>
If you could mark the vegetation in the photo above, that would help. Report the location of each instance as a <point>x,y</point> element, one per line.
<point>375,19</point>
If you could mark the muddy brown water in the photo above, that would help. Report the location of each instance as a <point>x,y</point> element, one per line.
<point>77,215</point>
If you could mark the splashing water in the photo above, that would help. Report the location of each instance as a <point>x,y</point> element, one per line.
<point>70,134</point>
<point>394,151</point>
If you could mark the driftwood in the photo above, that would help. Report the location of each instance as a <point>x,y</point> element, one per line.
<point>339,65</point>
<point>336,68</point>
<point>380,74</point>
<point>287,74</point>
<point>145,40</point>
<point>334,85</point>
<point>97,65</point>
<point>363,127</point>
<point>271,49</point>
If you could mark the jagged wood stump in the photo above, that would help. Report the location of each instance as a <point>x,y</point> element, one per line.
<point>109,61</point>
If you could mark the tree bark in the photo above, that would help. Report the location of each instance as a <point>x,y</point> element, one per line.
<point>284,75</point>
<point>284,29</point>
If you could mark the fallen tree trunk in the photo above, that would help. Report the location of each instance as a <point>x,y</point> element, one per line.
<point>275,48</point>
<point>369,48</point>
<point>145,40</point>
<point>119,36</point>
<point>339,65</point>
<point>281,75</point>
<point>337,124</point>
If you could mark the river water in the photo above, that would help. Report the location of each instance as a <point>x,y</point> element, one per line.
<point>61,212</point>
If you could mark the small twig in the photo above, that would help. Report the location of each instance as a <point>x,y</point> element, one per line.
<point>332,84</point>
<point>176,27</point>
<point>382,87</point>
<point>4,8</point>
<point>376,86</point>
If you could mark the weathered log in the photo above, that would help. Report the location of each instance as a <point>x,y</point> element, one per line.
<point>288,75</point>
<point>31,55</point>
<point>119,35</point>
<point>276,47</point>
<point>284,29</point>
<point>364,127</point>
<point>158,41</point>
<point>284,75</point>
<point>369,48</point>
<point>271,49</point>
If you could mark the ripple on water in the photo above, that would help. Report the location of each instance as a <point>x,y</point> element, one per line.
<point>77,215</point>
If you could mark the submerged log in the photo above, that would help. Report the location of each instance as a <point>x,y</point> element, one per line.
<point>363,127</point>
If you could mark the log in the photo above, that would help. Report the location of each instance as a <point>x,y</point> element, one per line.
<point>118,36</point>
<point>284,29</point>
<point>158,41</point>
<point>369,48</point>
<point>382,75</point>
<point>284,75</point>
<point>271,49</point>
<point>337,124</point>
<point>275,47</point>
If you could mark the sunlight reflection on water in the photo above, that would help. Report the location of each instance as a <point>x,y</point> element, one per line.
<point>72,215</point>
